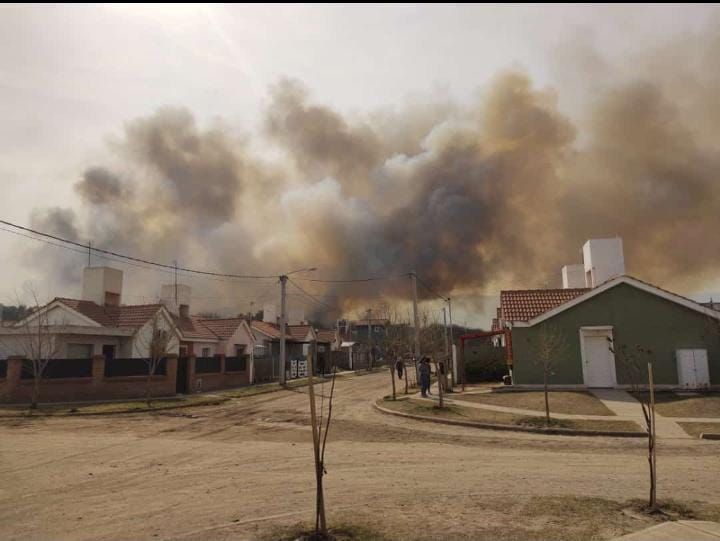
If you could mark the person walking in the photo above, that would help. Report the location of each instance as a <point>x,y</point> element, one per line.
<point>424,370</point>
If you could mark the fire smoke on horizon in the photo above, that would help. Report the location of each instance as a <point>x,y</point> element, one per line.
<point>500,192</point>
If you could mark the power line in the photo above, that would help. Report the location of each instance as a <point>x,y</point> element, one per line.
<point>356,280</point>
<point>431,290</point>
<point>311,296</point>
<point>132,258</point>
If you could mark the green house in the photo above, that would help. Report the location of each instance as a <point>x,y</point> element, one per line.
<point>605,336</point>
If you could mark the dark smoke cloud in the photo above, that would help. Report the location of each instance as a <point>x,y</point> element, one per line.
<point>99,186</point>
<point>498,193</point>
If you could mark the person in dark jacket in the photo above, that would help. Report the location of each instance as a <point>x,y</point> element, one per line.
<point>424,370</point>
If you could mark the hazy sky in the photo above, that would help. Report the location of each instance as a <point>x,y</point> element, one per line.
<point>71,76</point>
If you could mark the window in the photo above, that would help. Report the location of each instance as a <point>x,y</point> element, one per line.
<point>79,351</point>
<point>206,352</point>
<point>240,350</point>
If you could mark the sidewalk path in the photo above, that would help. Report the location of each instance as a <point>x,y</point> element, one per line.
<point>624,405</point>
<point>695,530</point>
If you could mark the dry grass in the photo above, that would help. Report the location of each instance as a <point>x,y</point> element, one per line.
<point>695,429</point>
<point>670,404</point>
<point>575,402</point>
<point>112,407</point>
<point>554,517</point>
<point>421,407</point>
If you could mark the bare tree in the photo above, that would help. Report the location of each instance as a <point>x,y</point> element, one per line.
<point>397,344</point>
<point>631,361</point>
<point>319,433</point>
<point>158,343</point>
<point>38,343</point>
<point>550,345</point>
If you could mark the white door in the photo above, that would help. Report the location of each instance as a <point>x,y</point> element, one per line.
<point>599,363</point>
<point>692,366</point>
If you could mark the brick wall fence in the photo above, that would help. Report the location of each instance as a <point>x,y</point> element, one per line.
<point>221,372</point>
<point>15,389</point>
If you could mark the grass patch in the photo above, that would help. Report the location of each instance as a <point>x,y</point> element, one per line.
<point>670,404</point>
<point>695,429</point>
<point>456,412</point>
<point>575,402</point>
<point>111,407</point>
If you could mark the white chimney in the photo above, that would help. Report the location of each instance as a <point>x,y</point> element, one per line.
<point>573,276</point>
<point>270,313</point>
<point>603,259</point>
<point>176,298</point>
<point>102,285</point>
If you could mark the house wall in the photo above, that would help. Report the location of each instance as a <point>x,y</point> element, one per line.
<point>14,345</point>
<point>638,318</point>
<point>13,390</point>
<point>140,344</point>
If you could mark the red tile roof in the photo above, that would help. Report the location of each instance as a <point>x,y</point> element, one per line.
<point>133,316</point>
<point>525,304</point>
<point>223,328</point>
<point>299,332</point>
<point>325,335</point>
<point>268,329</point>
<point>193,328</point>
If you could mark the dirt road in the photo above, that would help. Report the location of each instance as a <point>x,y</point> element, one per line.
<point>243,469</point>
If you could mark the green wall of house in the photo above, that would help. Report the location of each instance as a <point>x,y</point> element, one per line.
<point>638,318</point>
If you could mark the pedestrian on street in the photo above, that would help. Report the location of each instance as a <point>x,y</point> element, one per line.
<point>424,370</point>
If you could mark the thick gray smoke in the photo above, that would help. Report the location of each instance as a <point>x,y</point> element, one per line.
<point>498,193</point>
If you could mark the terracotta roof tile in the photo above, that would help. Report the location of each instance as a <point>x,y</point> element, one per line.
<point>325,335</point>
<point>223,328</point>
<point>299,332</point>
<point>193,328</point>
<point>132,316</point>
<point>525,304</point>
<point>267,329</point>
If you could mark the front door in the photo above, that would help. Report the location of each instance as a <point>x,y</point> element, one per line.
<point>598,360</point>
<point>181,385</point>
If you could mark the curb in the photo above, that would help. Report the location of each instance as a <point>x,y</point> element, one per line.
<point>22,415</point>
<point>513,428</point>
<point>709,436</point>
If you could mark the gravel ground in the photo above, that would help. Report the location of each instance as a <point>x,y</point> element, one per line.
<point>243,469</point>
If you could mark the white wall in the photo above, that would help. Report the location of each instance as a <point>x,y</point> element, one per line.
<point>603,259</point>
<point>573,276</point>
<point>241,336</point>
<point>140,344</point>
<point>98,280</point>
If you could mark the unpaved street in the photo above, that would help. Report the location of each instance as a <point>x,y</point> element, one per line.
<point>243,469</point>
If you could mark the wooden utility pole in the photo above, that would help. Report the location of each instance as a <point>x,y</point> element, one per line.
<point>416,323</point>
<point>453,377</point>
<point>320,524</point>
<point>283,322</point>
<point>369,329</point>
<point>445,331</point>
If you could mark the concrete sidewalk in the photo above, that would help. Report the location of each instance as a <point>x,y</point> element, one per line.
<point>621,403</point>
<point>624,405</point>
<point>682,530</point>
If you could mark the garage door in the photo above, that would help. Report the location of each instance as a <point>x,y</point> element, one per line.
<point>692,366</point>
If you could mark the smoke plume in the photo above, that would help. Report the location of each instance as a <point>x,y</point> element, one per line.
<point>496,193</point>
